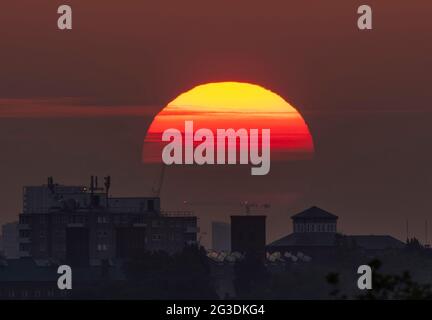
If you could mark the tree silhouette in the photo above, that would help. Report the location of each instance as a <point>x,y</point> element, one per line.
<point>251,278</point>
<point>386,287</point>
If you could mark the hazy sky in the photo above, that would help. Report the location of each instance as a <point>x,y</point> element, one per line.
<point>79,102</point>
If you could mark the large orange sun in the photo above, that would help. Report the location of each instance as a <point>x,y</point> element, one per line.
<point>236,105</point>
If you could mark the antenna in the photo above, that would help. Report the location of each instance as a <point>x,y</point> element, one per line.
<point>426,233</point>
<point>249,205</point>
<point>159,183</point>
<point>92,186</point>
<point>51,184</point>
<point>107,184</point>
<point>407,230</point>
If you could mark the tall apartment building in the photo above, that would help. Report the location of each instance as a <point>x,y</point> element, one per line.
<point>248,235</point>
<point>221,236</point>
<point>81,225</point>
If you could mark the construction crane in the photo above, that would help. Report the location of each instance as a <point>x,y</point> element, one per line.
<point>246,204</point>
<point>249,205</point>
<point>157,187</point>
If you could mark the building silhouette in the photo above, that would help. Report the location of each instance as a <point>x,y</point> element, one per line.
<point>36,279</point>
<point>314,219</point>
<point>248,235</point>
<point>315,233</point>
<point>10,240</point>
<point>221,236</point>
<point>82,225</point>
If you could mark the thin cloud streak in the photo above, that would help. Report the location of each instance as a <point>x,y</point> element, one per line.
<point>68,108</point>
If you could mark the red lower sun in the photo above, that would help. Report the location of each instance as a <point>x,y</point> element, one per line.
<point>235,105</point>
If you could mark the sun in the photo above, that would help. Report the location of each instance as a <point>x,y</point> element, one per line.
<point>233,105</point>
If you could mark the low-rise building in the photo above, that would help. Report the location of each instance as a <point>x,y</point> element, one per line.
<point>315,234</point>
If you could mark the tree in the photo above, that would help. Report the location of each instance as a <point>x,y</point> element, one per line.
<point>158,275</point>
<point>399,287</point>
<point>251,278</point>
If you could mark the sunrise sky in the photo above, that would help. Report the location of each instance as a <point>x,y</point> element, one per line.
<point>79,103</point>
<point>233,105</point>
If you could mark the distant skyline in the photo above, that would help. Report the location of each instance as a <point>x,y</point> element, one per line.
<point>79,103</point>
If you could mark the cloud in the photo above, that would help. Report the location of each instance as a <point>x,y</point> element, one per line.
<point>69,108</point>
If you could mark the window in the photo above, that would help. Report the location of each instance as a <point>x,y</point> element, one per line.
<point>24,233</point>
<point>102,219</point>
<point>102,233</point>
<point>24,219</point>
<point>60,247</point>
<point>156,237</point>
<point>24,247</point>
<point>150,205</point>
<point>60,233</point>
<point>102,247</point>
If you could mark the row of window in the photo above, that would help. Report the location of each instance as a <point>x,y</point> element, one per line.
<point>155,237</point>
<point>315,227</point>
<point>101,247</point>
<point>58,233</point>
<point>100,234</point>
<point>102,219</point>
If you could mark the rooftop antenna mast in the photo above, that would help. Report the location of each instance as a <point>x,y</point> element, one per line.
<point>249,205</point>
<point>51,184</point>
<point>407,230</point>
<point>157,188</point>
<point>92,185</point>
<point>107,184</point>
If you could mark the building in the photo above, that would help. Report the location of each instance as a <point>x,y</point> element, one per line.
<point>28,279</point>
<point>10,240</point>
<point>81,225</point>
<point>221,236</point>
<point>248,235</point>
<point>315,234</point>
<point>314,219</point>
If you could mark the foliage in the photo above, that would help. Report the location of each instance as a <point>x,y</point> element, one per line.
<point>386,286</point>
<point>158,275</point>
<point>251,278</point>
